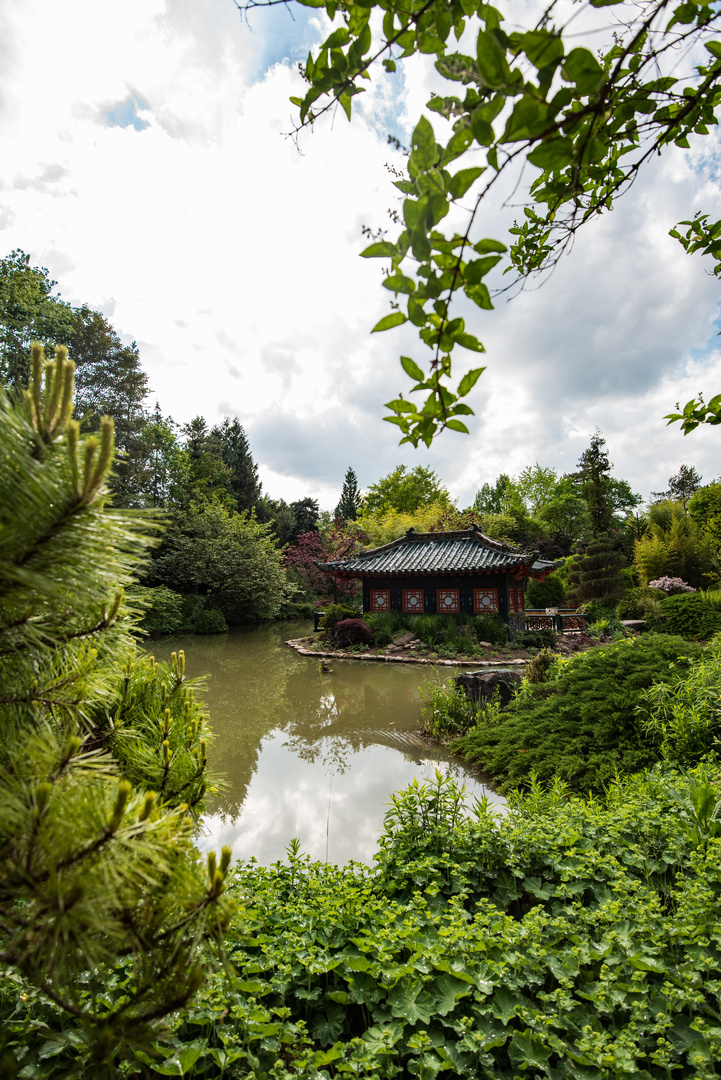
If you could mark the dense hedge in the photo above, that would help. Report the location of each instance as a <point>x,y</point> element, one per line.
<point>692,615</point>
<point>581,726</point>
<point>573,940</point>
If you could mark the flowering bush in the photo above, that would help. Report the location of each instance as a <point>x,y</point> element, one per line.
<point>671,585</point>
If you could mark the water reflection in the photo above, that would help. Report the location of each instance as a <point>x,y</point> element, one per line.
<point>305,753</point>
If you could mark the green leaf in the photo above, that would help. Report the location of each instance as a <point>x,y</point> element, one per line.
<point>381,249</point>
<point>582,68</point>
<point>476,270</point>
<point>338,38</point>
<point>296,101</point>
<point>542,47</point>
<point>312,3</point>
<point>469,341</point>
<point>552,154</point>
<point>399,283</point>
<point>461,181</point>
<point>492,63</point>
<point>400,405</point>
<point>482,129</point>
<point>411,368</point>
<point>469,380</point>
<point>457,425</point>
<point>485,246</point>
<point>416,313</point>
<point>458,144</point>
<point>527,1049</point>
<point>396,318</point>
<point>423,145</point>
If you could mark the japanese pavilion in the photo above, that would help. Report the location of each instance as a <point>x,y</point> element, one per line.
<point>443,573</point>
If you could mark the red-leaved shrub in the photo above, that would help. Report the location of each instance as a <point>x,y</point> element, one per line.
<point>352,632</point>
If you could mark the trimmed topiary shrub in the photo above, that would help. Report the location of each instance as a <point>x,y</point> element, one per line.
<point>352,632</point>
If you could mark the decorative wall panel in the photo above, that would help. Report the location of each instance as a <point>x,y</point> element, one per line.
<point>380,599</point>
<point>485,600</point>
<point>448,601</point>
<point>413,601</point>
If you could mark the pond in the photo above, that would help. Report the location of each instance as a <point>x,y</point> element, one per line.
<point>307,754</point>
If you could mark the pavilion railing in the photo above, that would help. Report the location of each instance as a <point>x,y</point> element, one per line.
<point>561,620</point>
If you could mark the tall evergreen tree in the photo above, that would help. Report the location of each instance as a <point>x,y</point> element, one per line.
<point>347,507</point>
<point>595,572</point>
<point>102,752</point>
<point>681,486</point>
<point>305,517</point>
<point>208,475</point>
<point>234,451</point>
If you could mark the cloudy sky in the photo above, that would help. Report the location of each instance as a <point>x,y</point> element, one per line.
<point>144,160</point>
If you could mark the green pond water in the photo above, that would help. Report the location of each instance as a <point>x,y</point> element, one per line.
<point>306,754</point>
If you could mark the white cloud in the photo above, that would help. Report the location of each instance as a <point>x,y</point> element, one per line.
<point>232,257</point>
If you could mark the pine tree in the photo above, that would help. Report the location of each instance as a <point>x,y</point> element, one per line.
<point>594,483</point>
<point>347,508</point>
<point>305,517</point>
<point>595,572</point>
<point>234,450</point>
<point>102,751</point>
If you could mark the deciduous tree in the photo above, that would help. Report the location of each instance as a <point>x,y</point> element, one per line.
<point>532,100</point>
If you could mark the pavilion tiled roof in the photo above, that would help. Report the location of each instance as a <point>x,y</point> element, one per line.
<point>467,551</point>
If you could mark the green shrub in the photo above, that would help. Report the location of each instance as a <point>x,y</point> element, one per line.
<point>640,603</point>
<point>570,938</point>
<point>385,625</point>
<point>163,609</point>
<point>685,716</point>
<point>543,594</point>
<point>489,628</point>
<point>582,725</point>
<point>536,639</point>
<point>296,609</point>
<point>691,615</point>
<point>209,621</point>
<point>595,610</point>
<point>335,613</point>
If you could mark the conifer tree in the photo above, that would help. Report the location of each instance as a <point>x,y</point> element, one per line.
<point>234,450</point>
<point>595,572</point>
<point>347,507</point>
<point>102,751</point>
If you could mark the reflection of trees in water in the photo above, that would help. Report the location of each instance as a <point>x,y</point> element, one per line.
<point>258,685</point>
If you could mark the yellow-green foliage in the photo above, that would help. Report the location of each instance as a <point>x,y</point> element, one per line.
<point>673,546</point>
<point>388,525</point>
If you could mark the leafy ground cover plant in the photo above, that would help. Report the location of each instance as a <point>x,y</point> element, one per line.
<point>581,725</point>
<point>684,717</point>
<point>574,938</point>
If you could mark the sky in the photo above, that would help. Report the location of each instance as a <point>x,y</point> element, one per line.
<point>145,161</point>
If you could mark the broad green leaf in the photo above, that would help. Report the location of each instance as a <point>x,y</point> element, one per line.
<point>469,341</point>
<point>469,380</point>
<point>411,368</point>
<point>483,247</point>
<point>396,318</point>
<point>457,425</point>
<point>528,1049</point>
<point>339,37</point>
<point>542,47</point>
<point>552,153</point>
<point>480,295</point>
<point>476,270</point>
<point>714,47</point>
<point>399,283</point>
<point>492,64</point>
<point>312,3</point>
<point>458,144</point>
<point>462,180</point>
<point>406,187</point>
<point>423,144</point>
<point>400,405</point>
<point>482,129</point>
<point>582,68</point>
<point>380,249</point>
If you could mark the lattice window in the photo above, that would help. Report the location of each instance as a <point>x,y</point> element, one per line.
<point>448,601</point>
<point>485,600</point>
<point>519,601</point>
<point>380,599</point>
<point>413,601</point>
<point>511,599</point>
